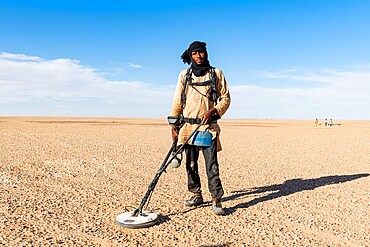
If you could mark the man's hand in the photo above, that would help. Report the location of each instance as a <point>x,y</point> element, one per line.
<point>206,117</point>
<point>174,133</point>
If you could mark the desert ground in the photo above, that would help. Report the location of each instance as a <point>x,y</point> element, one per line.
<point>287,183</point>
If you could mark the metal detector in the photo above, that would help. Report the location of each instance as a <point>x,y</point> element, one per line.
<point>140,218</point>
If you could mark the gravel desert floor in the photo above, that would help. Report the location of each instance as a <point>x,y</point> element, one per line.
<point>287,183</point>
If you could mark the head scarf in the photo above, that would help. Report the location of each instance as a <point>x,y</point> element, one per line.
<point>197,69</point>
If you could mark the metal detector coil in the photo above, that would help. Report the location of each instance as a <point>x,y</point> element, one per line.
<point>144,219</point>
<point>140,218</point>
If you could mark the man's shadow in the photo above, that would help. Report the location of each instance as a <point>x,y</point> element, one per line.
<point>287,188</point>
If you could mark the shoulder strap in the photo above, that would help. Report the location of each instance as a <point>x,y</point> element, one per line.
<point>214,93</point>
<point>186,82</point>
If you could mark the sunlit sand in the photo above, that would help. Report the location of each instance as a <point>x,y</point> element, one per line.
<point>287,183</point>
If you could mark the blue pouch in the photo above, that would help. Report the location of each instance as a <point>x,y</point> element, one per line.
<point>202,139</point>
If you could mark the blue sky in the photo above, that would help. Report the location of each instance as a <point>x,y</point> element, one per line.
<point>282,59</point>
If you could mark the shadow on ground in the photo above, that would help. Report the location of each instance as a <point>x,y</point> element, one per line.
<point>287,188</point>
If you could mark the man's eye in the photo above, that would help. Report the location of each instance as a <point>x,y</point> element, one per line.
<point>198,53</point>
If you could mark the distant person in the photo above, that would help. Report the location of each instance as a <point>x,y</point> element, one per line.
<point>316,122</point>
<point>331,122</point>
<point>326,122</point>
<point>201,92</point>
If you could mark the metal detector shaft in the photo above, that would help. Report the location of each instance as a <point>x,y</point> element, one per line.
<point>162,168</point>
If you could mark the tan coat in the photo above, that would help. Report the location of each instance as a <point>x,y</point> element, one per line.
<point>197,103</point>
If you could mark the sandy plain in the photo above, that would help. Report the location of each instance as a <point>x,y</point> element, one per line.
<point>287,183</point>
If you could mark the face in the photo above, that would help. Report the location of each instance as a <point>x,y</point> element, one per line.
<point>198,56</point>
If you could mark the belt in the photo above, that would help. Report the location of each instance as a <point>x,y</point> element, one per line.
<point>192,120</point>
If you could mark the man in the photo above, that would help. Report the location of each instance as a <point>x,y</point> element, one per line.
<point>201,94</point>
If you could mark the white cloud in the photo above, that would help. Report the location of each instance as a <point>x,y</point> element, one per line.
<point>30,79</point>
<point>63,78</point>
<point>30,85</point>
<point>339,93</point>
<point>344,77</point>
<point>5,55</point>
<point>136,66</point>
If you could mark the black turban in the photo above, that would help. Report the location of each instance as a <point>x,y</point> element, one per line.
<point>198,69</point>
<point>195,46</point>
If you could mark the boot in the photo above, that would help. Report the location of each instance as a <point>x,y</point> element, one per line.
<point>217,207</point>
<point>195,200</point>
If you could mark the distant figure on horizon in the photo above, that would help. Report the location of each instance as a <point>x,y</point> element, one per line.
<point>201,93</point>
<point>316,122</point>
<point>326,122</point>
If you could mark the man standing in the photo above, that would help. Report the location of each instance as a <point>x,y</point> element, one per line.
<point>201,96</point>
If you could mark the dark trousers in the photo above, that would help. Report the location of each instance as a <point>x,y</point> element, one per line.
<point>212,170</point>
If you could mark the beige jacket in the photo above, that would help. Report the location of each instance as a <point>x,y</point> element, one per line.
<point>197,103</point>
